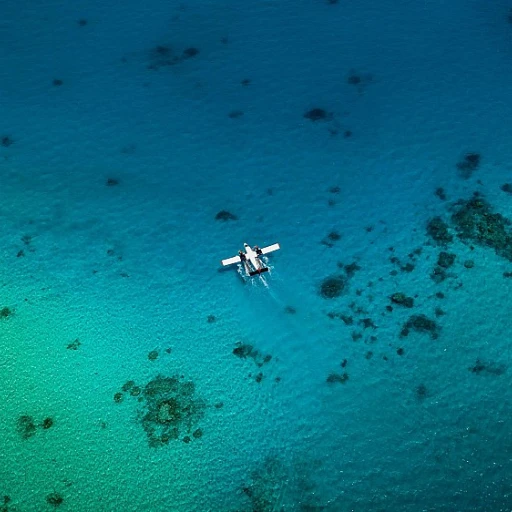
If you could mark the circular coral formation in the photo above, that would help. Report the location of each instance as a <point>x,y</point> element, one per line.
<point>171,409</point>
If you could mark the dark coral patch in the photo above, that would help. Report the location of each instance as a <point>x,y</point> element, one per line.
<point>475,222</point>
<point>488,368</point>
<point>26,427</point>
<point>6,141</point>
<point>337,378</point>
<point>54,499</point>
<point>439,231</point>
<point>421,324</point>
<point>468,164</point>
<point>318,114</point>
<point>188,53</point>
<point>332,287</point>
<point>402,300</point>
<point>224,216</point>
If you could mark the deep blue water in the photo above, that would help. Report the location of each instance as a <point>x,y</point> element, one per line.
<point>137,374</point>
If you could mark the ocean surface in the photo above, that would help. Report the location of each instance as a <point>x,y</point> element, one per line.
<point>143,142</point>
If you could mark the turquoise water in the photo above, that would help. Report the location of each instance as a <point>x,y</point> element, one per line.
<point>137,374</point>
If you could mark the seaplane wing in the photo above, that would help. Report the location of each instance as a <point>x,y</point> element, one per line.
<point>270,248</point>
<point>230,261</point>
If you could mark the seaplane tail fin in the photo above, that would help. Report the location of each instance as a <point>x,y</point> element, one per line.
<point>230,261</point>
<point>270,248</point>
<point>259,271</point>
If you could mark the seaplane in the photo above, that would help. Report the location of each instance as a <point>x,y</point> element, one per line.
<point>251,259</point>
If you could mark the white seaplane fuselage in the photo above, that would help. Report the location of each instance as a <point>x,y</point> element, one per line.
<point>253,258</point>
<point>250,259</point>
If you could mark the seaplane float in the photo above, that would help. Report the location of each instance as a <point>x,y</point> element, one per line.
<point>251,259</point>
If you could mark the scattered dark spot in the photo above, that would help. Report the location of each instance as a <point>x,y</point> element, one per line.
<point>356,336</point>
<point>446,259</point>
<point>343,363</point>
<point>350,269</point>
<point>335,190</point>
<point>54,499</point>
<point>82,22</point>
<point>153,355</point>
<point>47,423</point>
<point>74,345</point>
<point>135,391</point>
<point>421,324</point>
<point>26,427</point>
<point>211,319</point>
<point>437,229</point>
<point>290,310</point>
<point>489,368</point>
<point>354,80</point>
<point>506,187</point>
<point>421,391</point>
<point>439,312</point>
<point>245,82</point>
<point>235,114</point>
<point>112,182</point>
<point>190,52</point>
<point>243,350</point>
<point>128,385</point>
<point>468,165</point>
<point>197,433</point>
<point>118,397</point>
<point>347,134</point>
<point>7,141</point>
<point>334,236</point>
<point>6,312</point>
<point>400,351</point>
<point>440,193</point>
<point>259,377</point>
<point>369,354</point>
<point>440,295</point>
<point>337,378</point>
<point>317,114</point>
<point>219,405</point>
<point>366,323</point>
<point>402,300</point>
<point>20,253</point>
<point>224,216</point>
<point>346,319</point>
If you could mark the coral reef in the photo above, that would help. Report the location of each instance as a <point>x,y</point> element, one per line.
<point>475,222</point>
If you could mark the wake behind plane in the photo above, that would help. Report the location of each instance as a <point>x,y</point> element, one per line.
<point>251,260</point>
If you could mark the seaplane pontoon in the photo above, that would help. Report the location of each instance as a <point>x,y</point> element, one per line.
<point>251,258</point>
